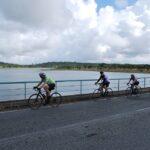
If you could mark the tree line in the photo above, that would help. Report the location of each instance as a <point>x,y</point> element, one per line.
<point>84,66</point>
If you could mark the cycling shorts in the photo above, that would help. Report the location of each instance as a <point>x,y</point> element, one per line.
<point>106,83</point>
<point>51,86</point>
<point>136,83</point>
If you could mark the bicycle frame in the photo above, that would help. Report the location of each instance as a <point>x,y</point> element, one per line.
<point>40,93</point>
<point>134,88</point>
<point>101,88</point>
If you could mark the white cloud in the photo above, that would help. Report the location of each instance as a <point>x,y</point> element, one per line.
<point>71,30</point>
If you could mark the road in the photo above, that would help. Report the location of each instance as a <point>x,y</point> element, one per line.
<point>110,124</point>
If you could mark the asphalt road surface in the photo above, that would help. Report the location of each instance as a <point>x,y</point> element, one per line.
<point>110,124</point>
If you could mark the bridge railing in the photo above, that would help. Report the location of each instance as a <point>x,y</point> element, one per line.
<point>22,90</point>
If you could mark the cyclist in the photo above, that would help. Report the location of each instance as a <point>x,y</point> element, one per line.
<point>134,82</point>
<point>105,81</point>
<point>47,84</point>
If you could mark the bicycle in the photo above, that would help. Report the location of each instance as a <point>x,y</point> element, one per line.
<point>136,90</point>
<point>99,92</point>
<point>39,98</point>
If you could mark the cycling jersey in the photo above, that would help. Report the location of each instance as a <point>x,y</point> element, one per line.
<point>134,80</point>
<point>105,78</point>
<point>48,81</point>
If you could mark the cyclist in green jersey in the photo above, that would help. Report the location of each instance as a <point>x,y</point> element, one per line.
<point>47,84</point>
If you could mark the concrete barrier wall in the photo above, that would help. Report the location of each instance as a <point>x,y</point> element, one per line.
<point>20,104</point>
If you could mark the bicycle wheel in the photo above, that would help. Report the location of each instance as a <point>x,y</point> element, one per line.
<point>35,101</point>
<point>109,92</point>
<point>56,99</point>
<point>138,91</point>
<point>128,91</point>
<point>96,93</point>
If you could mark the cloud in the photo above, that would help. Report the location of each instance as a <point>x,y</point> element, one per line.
<point>33,13</point>
<point>70,30</point>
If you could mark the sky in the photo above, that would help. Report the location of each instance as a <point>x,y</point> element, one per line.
<point>99,31</point>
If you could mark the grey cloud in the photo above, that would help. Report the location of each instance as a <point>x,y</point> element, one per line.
<point>47,13</point>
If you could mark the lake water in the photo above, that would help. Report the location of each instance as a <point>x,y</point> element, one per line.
<point>13,75</point>
<point>8,92</point>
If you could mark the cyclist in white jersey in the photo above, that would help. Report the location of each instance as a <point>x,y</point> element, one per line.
<point>133,81</point>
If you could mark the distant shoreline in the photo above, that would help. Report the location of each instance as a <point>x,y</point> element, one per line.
<point>73,69</point>
<point>109,70</point>
<point>134,68</point>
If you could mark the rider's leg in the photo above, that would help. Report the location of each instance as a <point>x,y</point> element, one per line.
<point>46,88</point>
<point>101,87</point>
<point>105,88</point>
<point>136,84</point>
<point>132,88</point>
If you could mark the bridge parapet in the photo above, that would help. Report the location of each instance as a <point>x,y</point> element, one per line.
<point>21,90</point>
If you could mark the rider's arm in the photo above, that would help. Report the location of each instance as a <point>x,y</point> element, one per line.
<point>98,80</point>
<point>129,81</point>
<point>39,84</point>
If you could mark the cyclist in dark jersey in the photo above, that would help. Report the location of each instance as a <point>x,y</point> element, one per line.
<point>105,81</point>
<point>134,81</point>
<point>47,84</point>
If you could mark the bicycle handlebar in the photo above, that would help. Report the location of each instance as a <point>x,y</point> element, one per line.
<point>36,89</point>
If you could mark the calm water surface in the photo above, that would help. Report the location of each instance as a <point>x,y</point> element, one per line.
<point>32,74</point>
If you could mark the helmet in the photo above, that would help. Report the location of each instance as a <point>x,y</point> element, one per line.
<point>42,75</point>
<point>101,72</point>
<point>132,75</point>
